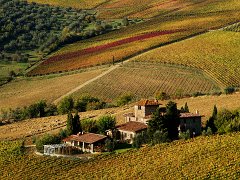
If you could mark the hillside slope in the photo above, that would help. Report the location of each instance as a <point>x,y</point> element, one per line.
<point>182,23</point>
<point>216,157</point>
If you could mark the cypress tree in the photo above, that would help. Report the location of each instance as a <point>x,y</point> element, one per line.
<point>210,123</point>
<point>172,117</point>
<point>186,109</point>
<point>76,123</point>
<point>70,124</point>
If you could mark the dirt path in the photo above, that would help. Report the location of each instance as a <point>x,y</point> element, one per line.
<point>88,82</point>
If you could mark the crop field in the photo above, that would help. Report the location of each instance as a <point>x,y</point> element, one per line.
<point>25,91</point>
<point>214,157</point>
<point>218,58</point>
<point>144,80</point>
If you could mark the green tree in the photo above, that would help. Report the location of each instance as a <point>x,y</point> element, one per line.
<point>162,96</point>
<point>186,109</point>
<point>160,137</point>
<point>45,140</point>
<point>89,125</point>
<point>70,126</point>
<point>76,123</point>
<point>66,105</point>
<point>185,135</point>
<point>105,123</point>
<point>172,118</point>
<point>109,145</point>
<point>211,121</point>
<point>137,141</point>
<point>124,99</point>
<point>156,123</point>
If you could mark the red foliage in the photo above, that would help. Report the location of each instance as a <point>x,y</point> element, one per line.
<point>103,47</point>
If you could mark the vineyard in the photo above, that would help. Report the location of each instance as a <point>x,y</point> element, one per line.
<point>104,54</point>
<point>218,58</point>
<point>215,157</point>
<point>133,40</point>
<point>144,80</point>
<point>145,9</point>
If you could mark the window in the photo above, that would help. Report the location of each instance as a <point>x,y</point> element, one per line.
<point>131,136</point>
<point>139,107</point>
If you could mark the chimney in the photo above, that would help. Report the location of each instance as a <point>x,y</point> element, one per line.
<point>197,112</point>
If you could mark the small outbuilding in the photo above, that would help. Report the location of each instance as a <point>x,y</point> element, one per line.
<point>87,142</point>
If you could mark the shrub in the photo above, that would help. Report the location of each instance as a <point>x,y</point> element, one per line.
<point>160,137</point>
<point>45,140</point>
<point>229,90</point>
<point>66,105</point>
<point>185,135</point>
<point>124,99</point>
<point>162,96</point>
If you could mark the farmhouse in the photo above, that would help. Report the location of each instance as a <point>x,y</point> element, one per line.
<point>87,142</point>
<point>126,132</point>
<point>191,122</point>
<point>143,111</point>
<point>137,122</point>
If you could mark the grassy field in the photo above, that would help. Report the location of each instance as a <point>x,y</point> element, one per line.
<point>28,128</point>
<point>215,157</point>
<point>145,80</point>
<point>25,91</point>
<point>217,57</point>
<point>6,68</point>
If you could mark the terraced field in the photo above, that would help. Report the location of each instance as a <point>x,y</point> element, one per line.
<point>144,80</point>
<point>215,157</point>
<point>217,53</point>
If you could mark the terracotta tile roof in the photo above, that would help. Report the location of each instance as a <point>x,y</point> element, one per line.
<point>132,126</point>
<point>86,137</point>
<point>189,115</point>
<point>148,103</point>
